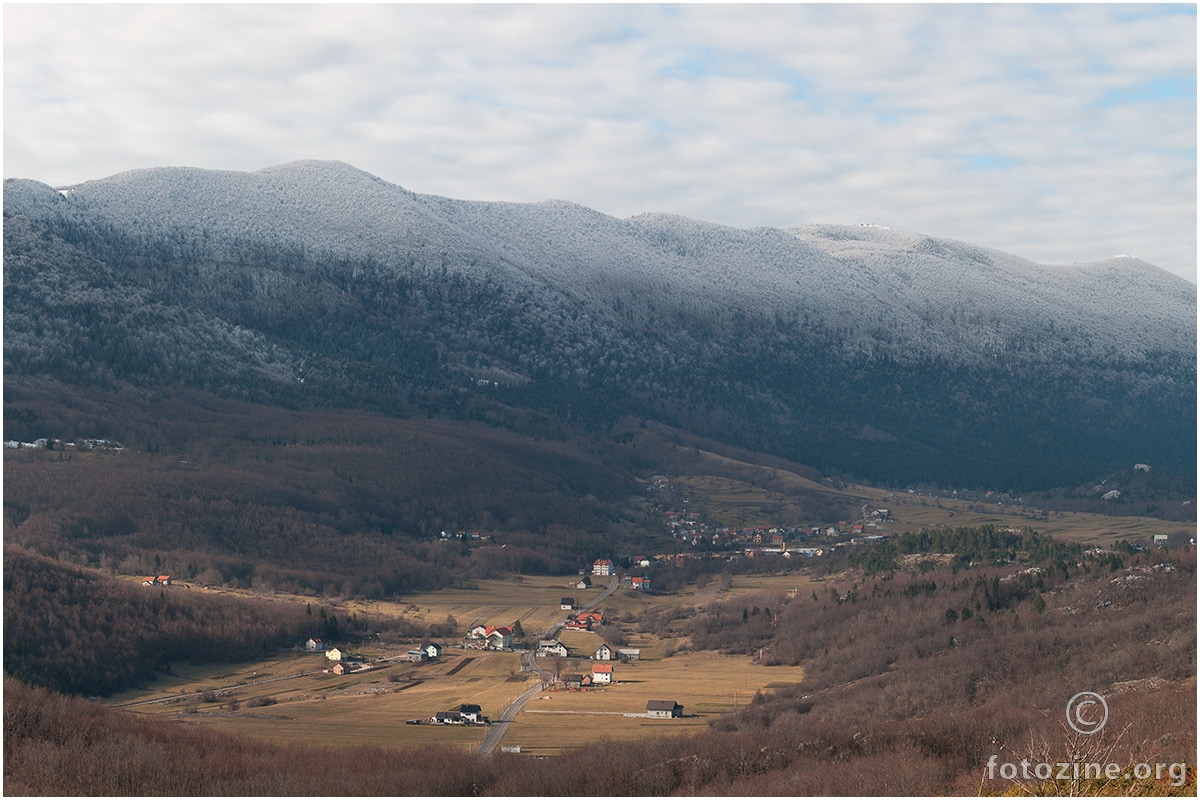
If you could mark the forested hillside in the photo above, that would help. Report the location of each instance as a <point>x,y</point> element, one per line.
<point>320,502</point>
<point>861,351</point>
<point>915,677</point>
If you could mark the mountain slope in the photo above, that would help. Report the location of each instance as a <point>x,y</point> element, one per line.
<point>884,354</point>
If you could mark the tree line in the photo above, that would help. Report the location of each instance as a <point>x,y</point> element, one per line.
<point>897,699</point>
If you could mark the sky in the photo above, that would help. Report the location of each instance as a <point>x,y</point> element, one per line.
<point>1060,133</point>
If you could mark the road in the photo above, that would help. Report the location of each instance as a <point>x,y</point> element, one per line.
<point>530,660</point>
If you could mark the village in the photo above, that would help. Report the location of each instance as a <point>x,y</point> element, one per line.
<point>706,538</point>
<point>554,676</point>
<point>539,664</point>
<point>542,665</point>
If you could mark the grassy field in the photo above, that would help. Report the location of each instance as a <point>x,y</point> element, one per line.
<point>534,600</point>
<point>358,708</point>
<point>705,684</point>
<point>727,501</point>
<point>913,512</point>
<point>734,503</point>
<point>304,703</point>
<point>313,706</point>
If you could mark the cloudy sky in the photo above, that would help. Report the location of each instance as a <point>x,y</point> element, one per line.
<point>1059,133</point>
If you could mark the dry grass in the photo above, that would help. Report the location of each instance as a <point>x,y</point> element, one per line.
<point>532,599</point>
<point>727,501</point>
<point>732,502</point>
<point>914,512</point>
<point>357,708</point>
<point>705,684</point>
<point>372,707</point>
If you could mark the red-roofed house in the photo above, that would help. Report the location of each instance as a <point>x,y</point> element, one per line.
<point>602,673</point>
<point>499,637</point>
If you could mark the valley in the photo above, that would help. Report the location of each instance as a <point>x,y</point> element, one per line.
<point>305,473</point>
<point>295,697</point>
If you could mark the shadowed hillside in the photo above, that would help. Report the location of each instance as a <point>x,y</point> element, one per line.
<point>881,354</point>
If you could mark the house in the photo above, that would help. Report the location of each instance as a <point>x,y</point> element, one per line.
<point>432,650</point>
<point>629,654</point>
<point>567,603</point>
<point>469,713</point>
<point>604,653</point>
<point>478,632</point>
<point>602,567</point>
<point>164,580</point>
<point>663,709</point>
<point>571,680</point>
<point>590,616</point>
<point>642,584</point>
<point>584,583</point>
<point>551,647</point>
<point>577,625</point>
<point>334,654</point>
<point>339,668</point>
<point>499,637</point>
<point>641,561</point>
<point>418,656</point>
<point>602,673</point>
<point>314,645</point>
<point>447,718</point>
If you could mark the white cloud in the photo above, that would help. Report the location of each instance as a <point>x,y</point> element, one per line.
<point>1060,133</point>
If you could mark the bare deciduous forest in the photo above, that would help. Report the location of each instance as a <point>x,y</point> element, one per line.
<point>916,676</point>
<point>81,632</point>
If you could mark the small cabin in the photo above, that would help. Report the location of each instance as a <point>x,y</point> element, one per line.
<point>663,709</point>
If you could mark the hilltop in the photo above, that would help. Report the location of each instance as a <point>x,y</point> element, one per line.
<point>863,351</point>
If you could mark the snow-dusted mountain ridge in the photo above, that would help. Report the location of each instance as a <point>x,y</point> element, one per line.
<point>795,338</point>
<point>884,280</point>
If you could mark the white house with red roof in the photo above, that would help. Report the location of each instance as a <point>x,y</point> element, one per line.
<point>602,567</point>
<point>498,637</point>
<point>602,673</point>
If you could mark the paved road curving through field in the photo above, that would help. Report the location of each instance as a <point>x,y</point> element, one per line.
<point>529,659</point>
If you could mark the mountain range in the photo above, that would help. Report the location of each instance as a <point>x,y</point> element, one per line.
<point>866,352</point>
